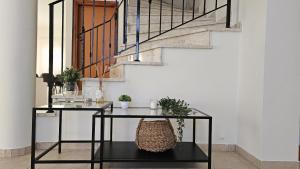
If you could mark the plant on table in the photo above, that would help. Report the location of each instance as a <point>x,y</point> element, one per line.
<point>70,76</point>
<point>176,108</point>
<point>124,99</point>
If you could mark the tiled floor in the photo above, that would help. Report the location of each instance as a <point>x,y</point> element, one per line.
<point>221,160</point>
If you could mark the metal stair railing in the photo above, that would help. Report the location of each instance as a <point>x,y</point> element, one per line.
<point>114,19</point>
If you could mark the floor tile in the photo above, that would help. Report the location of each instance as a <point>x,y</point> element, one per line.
<point>221,160</point>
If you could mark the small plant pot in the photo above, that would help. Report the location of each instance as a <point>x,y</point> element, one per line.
<point>124,105</point>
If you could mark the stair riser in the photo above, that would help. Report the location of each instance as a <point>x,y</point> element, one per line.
<point>165,18</point>
<point>154,10</point>
<point>145,3</point>
<point>156,7</point>
<point>117,72</point>
<point>174,33</point>
<point>155,27</point>
<point>200,39</point>
<point>153,55</point>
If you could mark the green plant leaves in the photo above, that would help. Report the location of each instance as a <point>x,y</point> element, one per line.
<point>125,98</point>
<point>70,75</point>
<point>176,108</point>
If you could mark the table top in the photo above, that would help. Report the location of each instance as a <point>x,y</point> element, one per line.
<point>132,112</point>
<point>145,112</point>
<point>76,106</point>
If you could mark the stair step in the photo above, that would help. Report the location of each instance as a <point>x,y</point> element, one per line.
<point>145,3</point>
<point>199,39</point>
<point>104,79</point>
<point>156,11</point>
<point>154,28</point>
<point>116,72</point>
<point>174,33</point>
<point>156,7</point>
<point>144,19</point>
<point>146,55</point>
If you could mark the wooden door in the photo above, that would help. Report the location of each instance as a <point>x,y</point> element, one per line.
<point>82,45</point>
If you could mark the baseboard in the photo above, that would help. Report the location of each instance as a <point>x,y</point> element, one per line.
<point>6,153</point>
<point>266,164</point>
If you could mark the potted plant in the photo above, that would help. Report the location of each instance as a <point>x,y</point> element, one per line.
<point>125,100</point>
<point>176,108</point>
<point>70,76</point>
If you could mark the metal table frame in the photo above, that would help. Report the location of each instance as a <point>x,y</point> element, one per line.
<point>37,159</point>
<point>102,115</point>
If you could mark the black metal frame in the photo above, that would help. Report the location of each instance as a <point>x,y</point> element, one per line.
<point>37,159</point>
<point>104,116</point>
<point>100,113</point>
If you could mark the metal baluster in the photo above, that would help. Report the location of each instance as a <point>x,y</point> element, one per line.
<point>160,16</point>
<point>172,4</point>
<point>92,38</point>
<point>149,19</point>
<point>116,29</point>
<point>109,43</point>
<point>216,7</point>
<point>62,35</point>
<point>83,41</point>
<point>125,23</point>
<point>228,15</point>
<point>193,9</point>
<point>103,38</point>
<point>137,49</point>
<point>97,44</point>
<point>91,57</point>
<point>183,3</point>
<point>204,7</point>
<point>51,42</point>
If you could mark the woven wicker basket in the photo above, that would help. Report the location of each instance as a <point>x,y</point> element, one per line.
<point>155,136</point>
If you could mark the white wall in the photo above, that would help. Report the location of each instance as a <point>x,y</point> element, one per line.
<point>282,82</point>
<point>269,82</point>
<point>17,87</point>
<point>206,78</point>
<point>251,74</point>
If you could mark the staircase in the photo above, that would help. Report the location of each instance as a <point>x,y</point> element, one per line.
<point>146,28</point>
<point>192,35</point>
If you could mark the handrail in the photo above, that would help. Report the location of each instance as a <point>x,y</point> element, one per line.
<point>55,2</point>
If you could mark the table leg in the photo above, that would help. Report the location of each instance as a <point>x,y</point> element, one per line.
<point>111,123</point>
<point>59,131</point>
<point>33,137</point>
<point>102,138</point>
<point>111,129</point>
<point>194,131</point>
<point>210,143</point>
<point>93,142</point>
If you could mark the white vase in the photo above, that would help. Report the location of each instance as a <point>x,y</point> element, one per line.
<point>124,105</point>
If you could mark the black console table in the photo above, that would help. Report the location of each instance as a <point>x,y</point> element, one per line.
<point>62,107</point>
<point>124,151</point>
